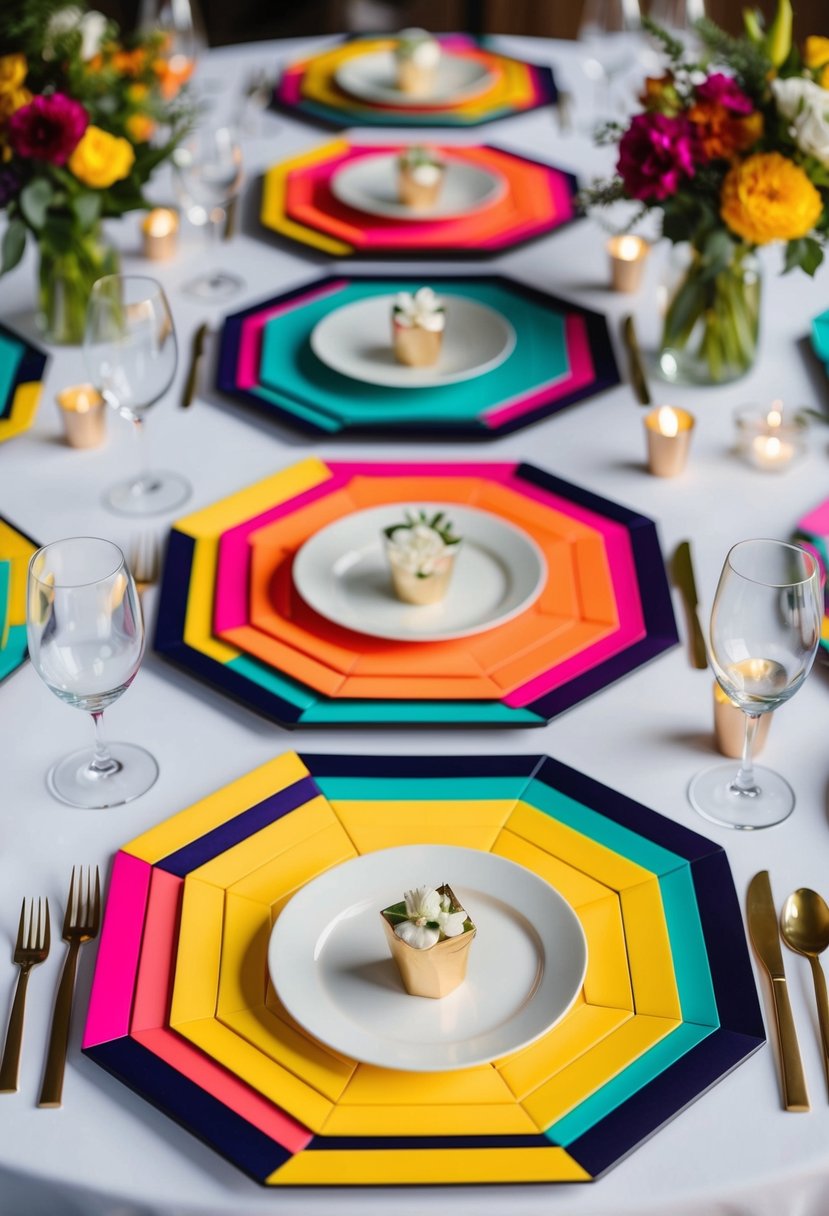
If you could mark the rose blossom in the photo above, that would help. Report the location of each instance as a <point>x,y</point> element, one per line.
<point>806,105</point>
<point>48,128</point>
<point>721,90</point>
<point>655,153</point>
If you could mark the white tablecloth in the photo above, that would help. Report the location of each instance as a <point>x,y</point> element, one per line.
<point>734,1151</point>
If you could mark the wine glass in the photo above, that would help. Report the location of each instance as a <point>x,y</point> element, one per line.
<point>86,639</point>
<point>131,357</point>
<point>208,175</point>
<point>184,38</point>
<point>609,32</point>
<point>677,16</point>
<point>765,628</point>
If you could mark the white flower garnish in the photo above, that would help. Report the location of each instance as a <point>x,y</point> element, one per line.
<point>430,917</point>
<point>419,47</point>
<point>423,308</point>
<point>418,550</point>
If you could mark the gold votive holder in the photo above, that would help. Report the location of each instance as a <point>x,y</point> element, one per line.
<point>416,79</point>
<point>627,261</point>
<point>434,972</point>
<point>768,440</point>
<point>730,726</point>
<point>428,589</point>
<point>160,233</point>
<point>415,346</point>
<point>668,430</point>
<point>83,410</point>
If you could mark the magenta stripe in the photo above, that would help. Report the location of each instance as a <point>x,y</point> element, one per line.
<point>582,372</point>
<point>250,337</point>
<point>110,1003</point>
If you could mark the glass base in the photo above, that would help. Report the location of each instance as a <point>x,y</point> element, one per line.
<point>712,795</point>
<point>215,286</point>
<point>154,494</point>
<point>71,780</point>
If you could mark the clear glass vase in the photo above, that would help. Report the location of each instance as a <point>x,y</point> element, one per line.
<point>712,318</point>
<point>66,276</point>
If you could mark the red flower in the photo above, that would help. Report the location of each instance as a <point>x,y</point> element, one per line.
<point>48,128</point>
<point>655,154</point>
<point>721,90</point>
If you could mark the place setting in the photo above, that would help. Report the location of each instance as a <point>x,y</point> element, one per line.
<point>413,78</point>
<point>617,1000</point>
<point>473,357</point>
<point>348,198</point>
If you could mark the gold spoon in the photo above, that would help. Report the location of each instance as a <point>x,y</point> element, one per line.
<point>804,926</point>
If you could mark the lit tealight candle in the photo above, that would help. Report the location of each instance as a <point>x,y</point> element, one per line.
<point>730,726</point>
<point>160,230</point>
<point>627,261</point>
<point>768,441</point>
<point>83,410</point>
<point>669,436</point>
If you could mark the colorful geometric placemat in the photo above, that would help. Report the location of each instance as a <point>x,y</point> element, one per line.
<point>182,1010</point>
<point>298,203</point>
<point>309,88</point>
<point>15,550</point>
<point>22,366</point>
<point>612,613</point>
<point>562,355</point>
<point>812,532</point>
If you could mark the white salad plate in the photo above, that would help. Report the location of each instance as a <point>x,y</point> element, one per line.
<point>331,967</point>
<point>343,573</point>
<point>370,184</point>
<point>373,77</point>
<point>356,340</point>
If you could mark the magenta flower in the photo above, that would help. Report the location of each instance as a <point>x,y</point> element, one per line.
<point>723,91</point>
<point>655,154</point>
<point>48,128</point>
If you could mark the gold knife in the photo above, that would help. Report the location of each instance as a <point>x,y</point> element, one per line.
<point>196,352</point>
<point>762,925</point>
<point>682,574</point>
<point>230,219</point>
<point>637,368</point>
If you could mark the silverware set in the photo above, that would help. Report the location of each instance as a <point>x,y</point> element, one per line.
<point>80,925</point>
<point>804,927</point>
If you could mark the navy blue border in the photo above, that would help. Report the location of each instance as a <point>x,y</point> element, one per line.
<point>31,367</point>
<point>606,371</point>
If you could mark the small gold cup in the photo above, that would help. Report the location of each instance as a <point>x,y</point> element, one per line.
<point>730,726</point>
<point>415,346</point>
<point>628,255</point>
<point>434,972</point>
<point>668,431</point>
<point>427,590</point>
<point>160,233</point>
<point>83,410</point>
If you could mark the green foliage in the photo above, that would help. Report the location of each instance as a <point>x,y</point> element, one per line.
<point>805,254</point>
<point>14,242</point>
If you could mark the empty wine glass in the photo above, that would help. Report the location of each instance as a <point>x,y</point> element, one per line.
<point>131,357</point>
<point>677,16</point>
<point>609,32</point>
<point>86,639</point>
<point>765,629</point>
<point>182,27</point>
<point>208,174</point>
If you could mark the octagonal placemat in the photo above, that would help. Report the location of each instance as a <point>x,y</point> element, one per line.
<point>16,548</point>
<point>668,1005</point>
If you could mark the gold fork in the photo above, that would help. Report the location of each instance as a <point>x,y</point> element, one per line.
<point>80,924</point>
<point>32,947</point>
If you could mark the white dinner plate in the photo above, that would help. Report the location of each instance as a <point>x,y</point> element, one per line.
<point>356,340</point>
<point>343,573</point>
<point>331,967</point>
<point>373,77</point>
<point>370,184</point>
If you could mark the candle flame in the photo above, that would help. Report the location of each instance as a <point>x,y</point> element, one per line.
<point>667,421</point>
<point>774,418</point>
<point>773,447</point>
<point>629,248</point>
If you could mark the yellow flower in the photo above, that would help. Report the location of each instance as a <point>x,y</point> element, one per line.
<point>100,159</point>
<point>12,100</point>
<point>13,70</point>
<point>815,51</point>
<point>823,77</point>
<point>140,128</point>
<point>138,91</point>
<point>769,198</point>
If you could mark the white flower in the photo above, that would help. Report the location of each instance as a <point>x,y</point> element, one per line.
<point>806,105</point>
<point>419,46</point>
<point>417,550</point>
<point>451,923</point>
<point>423,309</point>
<point>422,903</point>
<point>92,27</point>
<point>419,937</point>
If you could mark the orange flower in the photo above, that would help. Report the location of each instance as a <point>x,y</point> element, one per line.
<point>720,133</point>
<point>659,94</point>
<point>140,128</point>
<point>769,198</point>
<point>172,73</point>
<point>130,63</point>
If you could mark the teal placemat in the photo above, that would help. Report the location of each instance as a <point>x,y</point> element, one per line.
<point>11,352</point>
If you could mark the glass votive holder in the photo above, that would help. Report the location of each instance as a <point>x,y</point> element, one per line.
<point>768,440</point>
<point>83,411</point>
<point>668,432</point>
<point>160,233</point>
<point>627,261</point>
<point>730,726</point>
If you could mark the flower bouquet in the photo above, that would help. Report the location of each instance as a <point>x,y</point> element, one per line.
<point>85,119</point>
<point>732,147</point>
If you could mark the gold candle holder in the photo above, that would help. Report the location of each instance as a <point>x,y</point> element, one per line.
<point>627,261</point>
<point>668,432</point>
<point>730,726</point>
<point>436,971</point>
<point>160,232</point>
<point>83,410</point>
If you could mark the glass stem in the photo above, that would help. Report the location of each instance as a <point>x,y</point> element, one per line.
<point>102,763</point>
<point>744,782</point>
<point>144,482</point>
